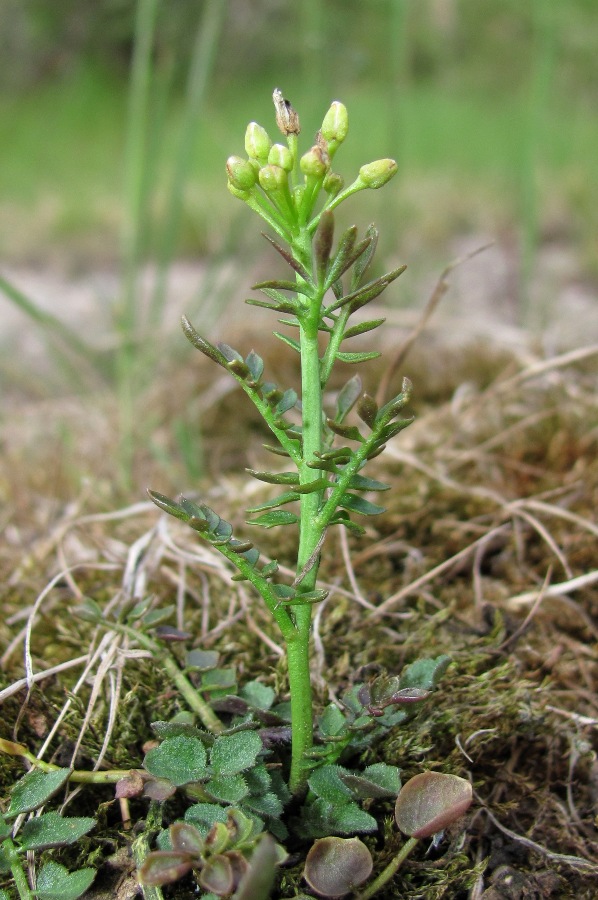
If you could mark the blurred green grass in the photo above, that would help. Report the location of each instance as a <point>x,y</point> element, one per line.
<point>495,120</point>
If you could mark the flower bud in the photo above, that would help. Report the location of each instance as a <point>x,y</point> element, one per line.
<point>315,162</point>
<point>376,174</point>
<point>273,178</point>
<point>280,155</point>
<point>241,173</point>
<point>333,183</point>
<point>257,142</point>
<point>336,123</point>
<point>286,117</point>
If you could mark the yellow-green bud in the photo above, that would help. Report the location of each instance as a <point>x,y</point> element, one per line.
<point>241,174</point>
<point>315,162</point>
<point>376,174</point>
<point>257,142</point>
<point>336,123</point>
<point>333,183</point>
<point>273,178</point>
<point>280,155</point>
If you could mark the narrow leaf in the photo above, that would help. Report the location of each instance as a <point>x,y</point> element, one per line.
<point>275,477</point>
<point>357,357</point>
<point>360,505</point>
<point>347,397</point>
<point>323,244</point>
<point>53,830</point>
<point>201,343</point>
<point>289,258</point>
<point>361,483</point>
<point>350,432</point>
<point>362,265</point>
<point>362,328</point>
<point>272,519</point>
<point>33,789</point>
<point>167,505</point>
<point>282,285</point>
<point>287,497</point>
<point>288,340</point>
<point>367,409</point>
<point>255,364</point>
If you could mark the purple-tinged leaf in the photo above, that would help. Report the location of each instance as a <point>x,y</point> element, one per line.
<point>336,866</point>
<point>431,801</point>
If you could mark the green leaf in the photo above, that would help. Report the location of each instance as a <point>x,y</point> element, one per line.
<point>348,397</point>
<point>282,285</point>
<point>342,518</point>
<point>54,882</point>
<point>286,402</point>
<point>264,805</point>
<point>362,264</point>
<point>198,341</point>
<point>181,760</point>
<point>275,477</point>
<point>323,244</point>
<point>270,569</point>
<point>424,673</point>
<point>357,357</point>
<point>322,818</point>
<point>367,409</point>
<point>287,497</point>
<point>362,328</point>
<point>53,830</point>
<point>361,483</point>
<point>288,340</point>
<point>318,484</point>
<point>389,431</point>
<point>201,660</point>
<point>326,782</point>
<point>227,788</point>
<point>34,788</point>
<point>255,364</point>
<point>332,722</point>
<point>219,680</point>
<point>260,695</point>
<point>235,752</point>
<point>272,519</point>
<point>380,783</point>
<point>258,881</point>
<point>204,815</point>
<point>169,506</point>
<point>349,432</point>
<point>360,505</point>
<point>290,259</point>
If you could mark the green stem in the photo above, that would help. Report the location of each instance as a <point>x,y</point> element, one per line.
<point>309,536</point>
<point>141,847</point>
<point>390,870</point>
<point>9,850</point>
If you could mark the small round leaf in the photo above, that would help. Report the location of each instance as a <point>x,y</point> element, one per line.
<point>335,866</point>
<point>431,801</point>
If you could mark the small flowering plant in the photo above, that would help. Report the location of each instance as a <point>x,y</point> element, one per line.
<point>324,485</point>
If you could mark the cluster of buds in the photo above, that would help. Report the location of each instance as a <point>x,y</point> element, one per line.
<point>269,178</point>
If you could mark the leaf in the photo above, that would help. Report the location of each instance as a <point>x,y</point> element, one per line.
<point>424,673</point>
<point>362,483</point>
<point>288,340</point>
<point>275,477</point>
<point>258,881</point>
<point>235,752</point>
<point>287,402</point>
<point>181,760</point>
<point>347,397</point>
<point>164,866</point>
<point>167,505</point>
<point>367,293</point>
<point>260,695</point>
<point>362,265</point>
<point>53,830</point>
<point>349,432</point>
<point>273,519</point>
<point>227,789</point>
<point>217,876</point>
<point>367,409</point>
<point>318,484</point>
<point>389,431</point>
<point>198,341</point>
<point>343,253</point>
<point>203,816</point>
<point>335,866</point>
<point>290,259</point>
<point>33,789</point>
<point>378,781</point>
<point>185,838</point>
<point>326,782</point>
<point>332,722</point>
<point>287,497</point>
<point>264,805</point>
<point>54,882</point>
<point>362,328</point>
<point>342,518</point>
<point>357,357</point>
<point>430,801</point>
<point>360,505</point>
<point>282,285</point>
<point>255,364</point>
<point>323,244</point>
<point>322,818</point>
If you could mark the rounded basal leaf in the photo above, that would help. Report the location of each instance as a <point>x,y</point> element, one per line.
<point>185,838</point>
<point>164,866</point>
<point>234,753</point>
<point>217,876</point>
<point>34,788</point>
<point>431,801</point>
<point>53,830</point>
<point>54,882</point>
<point>335,866</point>
<point>180,760</point>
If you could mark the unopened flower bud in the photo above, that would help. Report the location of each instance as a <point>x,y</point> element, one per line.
<point>280,155</point>
<point>336,123</point>
<point>286,117</point>
<point>241,174</point>
<point>376,174</point>
<point>315,162</point>
<point>273,178</point>
<point>257,142</point>
<point>333,183</point>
